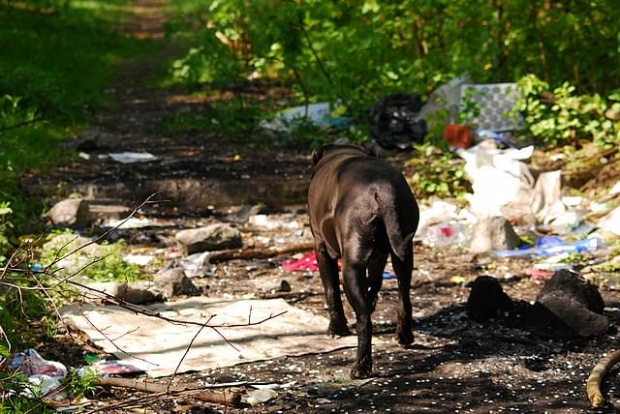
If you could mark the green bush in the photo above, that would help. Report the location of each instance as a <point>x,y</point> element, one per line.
<point>56,58</point>
<point>565,118</point>
<point>359,51</point>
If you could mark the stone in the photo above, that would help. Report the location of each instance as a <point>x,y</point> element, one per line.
<point>574,307</point>
<point>217,236</point>
<point>486,299</point>
<point>136,293</point>
<point>96,139</point>
<point>493,233</point>
<point>71,212</point>
<point>173,282</point>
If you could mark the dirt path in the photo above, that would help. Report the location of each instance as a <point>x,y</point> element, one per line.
<point>456,364</point>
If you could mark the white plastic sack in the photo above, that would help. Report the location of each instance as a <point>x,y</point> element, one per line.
<point>499,179</point>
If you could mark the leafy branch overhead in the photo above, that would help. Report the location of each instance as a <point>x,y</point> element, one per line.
<point>361,50</point>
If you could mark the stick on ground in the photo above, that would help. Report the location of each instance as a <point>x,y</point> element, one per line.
<point>230,398</point>
<point>593,385</point>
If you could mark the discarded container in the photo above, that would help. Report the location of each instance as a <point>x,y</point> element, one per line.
<point>448,234</point>
<point>458,136</point>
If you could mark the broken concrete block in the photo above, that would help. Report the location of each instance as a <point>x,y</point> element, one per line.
<point>96,139</point>
<point>571,284</point>
<point>136,293</point>
<point>486,299</point>
<point>72,212</point>
<point>493,233</point>
<point>173,282</point>
<point>214,237</point>
<point>575,304</point>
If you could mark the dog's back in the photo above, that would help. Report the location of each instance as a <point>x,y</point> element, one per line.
<point>357,197</point>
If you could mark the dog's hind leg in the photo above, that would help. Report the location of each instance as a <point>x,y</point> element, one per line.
<point>356,289</point>
<point>403,270</point>
<point>328,268</point>
<point>376,265</point>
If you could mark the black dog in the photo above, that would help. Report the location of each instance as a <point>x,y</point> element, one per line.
<point>361,210</point>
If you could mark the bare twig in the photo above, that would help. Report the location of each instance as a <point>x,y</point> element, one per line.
<point>21,124</point>
<point>189,346</point>
<point>254,253</point>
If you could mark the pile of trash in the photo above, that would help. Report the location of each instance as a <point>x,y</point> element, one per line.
<point>45,378</point>
<point>510,203</point>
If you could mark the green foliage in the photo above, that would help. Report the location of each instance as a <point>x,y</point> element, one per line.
<point>55,60</point>
<point>13,401</point>
<point>98,262</point>
<point>81,383</point>
<point>224,117</point>
<point>438,174</point>
<point>566,118</point>
<point>113,268</point>
<point>359,51</point>
<point>21,304</point>
<point>5,226</point>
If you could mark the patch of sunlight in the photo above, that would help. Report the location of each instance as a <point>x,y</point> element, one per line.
<point>106,6</point>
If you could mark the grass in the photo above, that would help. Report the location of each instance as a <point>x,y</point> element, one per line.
<point>57,58</point>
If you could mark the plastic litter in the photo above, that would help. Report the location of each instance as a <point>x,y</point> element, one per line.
<point>447,234</point>
<point>551,245</point>
<point>132,157</point>
<point>499,179</point>
<point>320,114</point>
<point>107,367</point>
<point>540,274</point>
<point>611,222</point>
<point>131,223</point>
<point>138,259</point>
<point>197,265</point>
<point>387,275</point>
<point>273,222</point>
<point>260,396</point>
<point>31,363</point>
<point>44,375</point>
<point>42,385</point>
<point>458,136</point>
<point>395,121</point>
<point>307,263</point>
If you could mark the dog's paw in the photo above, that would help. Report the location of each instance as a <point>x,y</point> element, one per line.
<point>404,337</point>
<point>338,329</point>
<point>361,371</point>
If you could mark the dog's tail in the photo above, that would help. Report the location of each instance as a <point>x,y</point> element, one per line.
<point>400,215</point>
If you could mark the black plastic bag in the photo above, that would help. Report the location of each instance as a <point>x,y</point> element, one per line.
<point>395,122</point>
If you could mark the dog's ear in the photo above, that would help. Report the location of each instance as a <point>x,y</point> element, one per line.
<point>371,149</point>
<point>318,153</point>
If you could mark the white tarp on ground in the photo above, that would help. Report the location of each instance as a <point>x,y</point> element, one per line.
<point>157,346</point>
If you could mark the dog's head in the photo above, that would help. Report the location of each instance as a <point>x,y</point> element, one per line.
<point>370,150</point>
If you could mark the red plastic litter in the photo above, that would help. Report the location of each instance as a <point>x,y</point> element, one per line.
<point>540,274</point>
<point>306,263</point>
